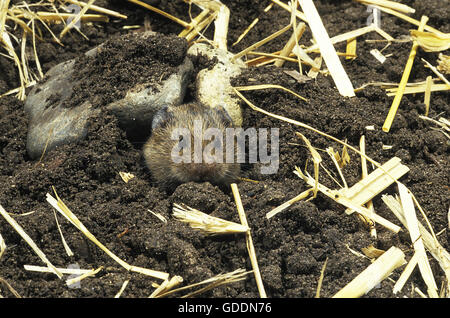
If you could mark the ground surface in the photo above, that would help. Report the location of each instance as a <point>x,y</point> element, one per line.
<point>291,247</point>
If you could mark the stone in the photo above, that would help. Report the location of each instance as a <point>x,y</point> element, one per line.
<point>53,123</point>
<point>214,86</point>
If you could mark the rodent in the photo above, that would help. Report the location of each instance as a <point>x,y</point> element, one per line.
<point>159,147</point>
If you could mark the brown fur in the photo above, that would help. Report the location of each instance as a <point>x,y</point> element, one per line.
<point>157,150</point>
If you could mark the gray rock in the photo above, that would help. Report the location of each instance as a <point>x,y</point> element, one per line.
<point>51,124</point>
<point>214,86</point>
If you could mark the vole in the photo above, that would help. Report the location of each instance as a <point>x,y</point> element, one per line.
<point>176,151</point>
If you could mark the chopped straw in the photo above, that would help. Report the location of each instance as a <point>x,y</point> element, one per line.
<point>341,199</point>
<point>436,71</point>
<point>66,246</point>
<point>152,8</point>
<point>249,241</point>
<point>91,273</point>
<point>404,80</point>
<point>351,48</point>
<point>29,241</point>
<point>373,274</point>
<point>413,228</point>
<point>407,271</point>
<point>262,42</point>
<point>60,206</point>
<point>427,96</point>
<point>364,172</point>
<point>293,41</point>
<point>254,22</point>
<point>2,246</point>
<point>166,286</point>
<point>322,274</point>
<point>287,204</point>
<point>327,49</point>
<point>212,282</point>
<point>124,285</point>
<point>68,271</point>
<point>94,7</point>
<point>76,19</point>
<point>429,240</point>
<point>431,42</point>
<point>266,86</point>
<point>389,4</point>
<point>206,223</point>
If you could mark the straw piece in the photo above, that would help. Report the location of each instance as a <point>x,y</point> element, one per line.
<point>200,26</point>
<point>389,4</point>
<point>327,49</point>
<point>431,42</point>
<point>76,19</point>
<point>206,223</point>
<point>384,34</point>
<point>401,87</point>
<point>77,279</point>
<point>166,286</point>
<point>414,232</point>
<point>249,241</point>
<point>286,7</point>
<point>373,275</point>
<point>221,27</point>
<point>287,204</point>
<point>377,181</point>
<point>265,86</point>
<point>94,7</point>
<point>432,245</point>
<point>313,72</point>
<point>10,288</point>
<point>333,156</point>
<point>194,22</point>
<point>69,271</point>
<point>427,97</point>
<point>436,71</point>
<point>418,89</point>
<point>372,252</point>
<point>255,21</point>
<point>124,285</point>
<point>60,206</point>
<point>316,159</point>
<point>304,57</point>
<point>409,19</point>
<point>351,48</point>
<point>262,42</point>
<point>2,246</point>
<point>126,176</point>
<point>341,199</point>
<point>322,274</point>
<point>443,63</point>
<point>66,246</point>
<point>29,241</point>
<point>212,282</point>
<point>406,273</point>
<point>293,40</point>
<point>344,37</point>
<point>159,216</point>
<point>152,8</point>
<point>364,172</point>
<point>378,55</point>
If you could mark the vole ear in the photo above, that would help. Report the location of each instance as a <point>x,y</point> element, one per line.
<point>224,115</point>
<point>161,117</point>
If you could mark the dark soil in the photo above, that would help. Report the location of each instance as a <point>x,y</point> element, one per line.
<point>292,246</point>
<point>122,63</point>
